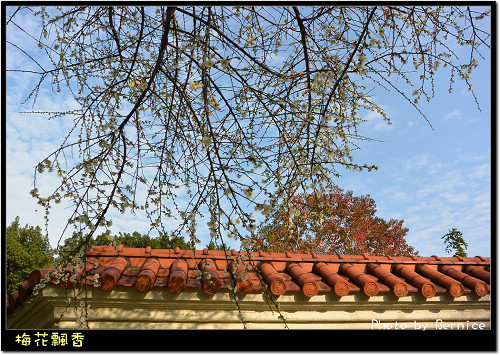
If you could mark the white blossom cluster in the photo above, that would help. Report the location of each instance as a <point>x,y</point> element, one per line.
<point>228,109</point>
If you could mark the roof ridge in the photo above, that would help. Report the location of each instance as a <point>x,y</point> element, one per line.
<point>97,250</point>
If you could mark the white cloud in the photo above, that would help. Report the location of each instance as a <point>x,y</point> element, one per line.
<point>480,172</point>
<point>431,215</point>
<point>395,193</point>
<point>451,180</point>
<point>454,197</point>
<point>418,161</point>
<point>455,114</point>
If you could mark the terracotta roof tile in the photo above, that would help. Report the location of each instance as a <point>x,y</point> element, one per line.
<point>274,280</point>
<point>398,287</point>
<point>244,284</point>
<point>356,275</point>
<point>161,281</point>
<point>110,277</point>
<point>147,276</point>
<point>427,288</point>
<point>23,290</point>
<point>210,277</point>
<point>308,285</point>
<point>178,276</point>
<point>14,301</point>
<point>329,274</point>
<point>212,270</point>
<point>478,272</point>
<point>479,286</point>
<point>454,287</point>
<point>37,275</point>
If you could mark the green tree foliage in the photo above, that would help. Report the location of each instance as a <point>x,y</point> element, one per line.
<point>27,249</point>
<point>454,241</point>
<point>214,246</point>
<point>137,240</point>
<point>128,240</point>
<point>231,106</point>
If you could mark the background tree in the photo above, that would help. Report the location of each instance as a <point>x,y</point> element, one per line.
<point>454,241</point>
<point>214,246</point>
<point>26,249</point>
<point>138,240</point>
<point>128,240</point>
<point>235,105</point>
<point>337,222</point>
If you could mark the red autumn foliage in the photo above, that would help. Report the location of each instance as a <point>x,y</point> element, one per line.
<point>333,223</point>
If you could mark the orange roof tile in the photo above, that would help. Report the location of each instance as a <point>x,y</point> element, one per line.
<point>211,271</point>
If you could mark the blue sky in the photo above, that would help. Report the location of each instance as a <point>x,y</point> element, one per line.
<point>433,179</point>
